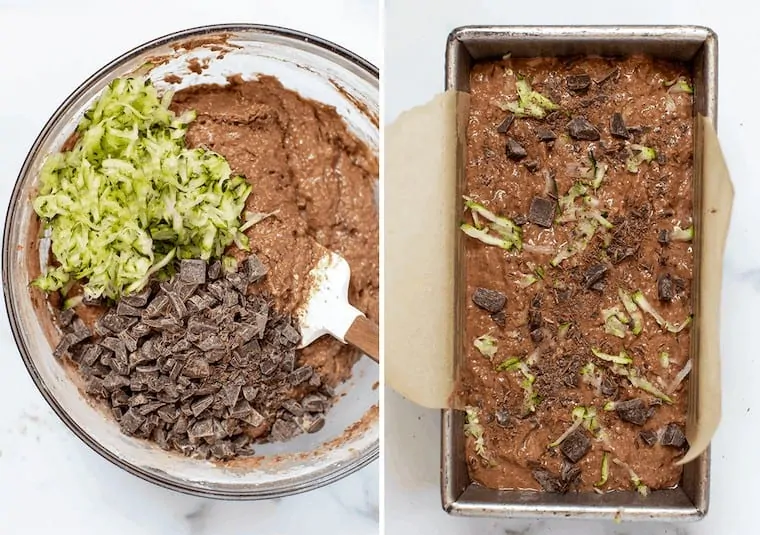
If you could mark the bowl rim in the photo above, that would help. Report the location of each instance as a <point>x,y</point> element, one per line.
<point>341,470</point>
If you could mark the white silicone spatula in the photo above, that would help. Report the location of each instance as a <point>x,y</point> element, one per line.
<point>327,310</point>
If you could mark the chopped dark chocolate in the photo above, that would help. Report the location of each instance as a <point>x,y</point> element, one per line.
<point>489,300</point>
<point>254,269</point>
<point>310,423</point>
<point>201,405</point>
<point>504,126</point>
<point>192,271</point>
<point>673,435</point>
<point>618,128</point>
<point>594,273</point>
<point>201,429</point>
<point>635,411</point>
<point>579,128</point>
<point>609,386</point>
<point>578,82</point>
<point>131,421</point>
<point>499,318</point>
<point>665,288</point>
<point>648,437</point>
<point>65,317</point>
<point>502,417</point>
<point>541,212</point>
<point>300,375</point>
<point>663,237</point>
<point>125,309</point>
<point>576,446</point>
<point>514,150</point>
<point>545,134</point>
<point>548,481</point>
<point>79,332</point>
<point>283,430</point>
<point>531,165</point>
<point>196,368</point>
<point>314,403</point>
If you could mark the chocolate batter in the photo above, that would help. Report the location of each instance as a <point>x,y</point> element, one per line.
<point>314,176</point>
<point>656,198</point>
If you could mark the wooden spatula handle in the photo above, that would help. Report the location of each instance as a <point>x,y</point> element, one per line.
<point>365,335</point>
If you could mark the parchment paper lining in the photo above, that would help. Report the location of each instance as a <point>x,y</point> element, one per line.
<point>420,226</point>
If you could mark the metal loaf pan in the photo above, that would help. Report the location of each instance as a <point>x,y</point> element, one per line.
<point>466,45</point>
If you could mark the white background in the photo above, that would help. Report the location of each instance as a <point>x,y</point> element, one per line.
<point>414,71</point>
<point>50,482</point>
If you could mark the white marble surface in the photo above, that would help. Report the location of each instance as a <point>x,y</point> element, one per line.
<point>49,481</point>
<point>414,62</point>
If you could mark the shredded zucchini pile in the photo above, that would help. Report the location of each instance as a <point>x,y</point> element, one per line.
<point>130,197</point>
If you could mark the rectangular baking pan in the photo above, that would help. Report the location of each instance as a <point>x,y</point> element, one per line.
<point>466,45</point>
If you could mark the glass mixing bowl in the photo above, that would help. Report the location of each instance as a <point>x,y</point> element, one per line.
<point>314,68</point>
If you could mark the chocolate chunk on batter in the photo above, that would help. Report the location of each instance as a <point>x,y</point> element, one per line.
<point>673,435</point>
<point>576,446</point>
<point>545,134</point>
<point>541,212</point>
<point>579,128</point>
<point>578,82</point>
<point>504,126</point>
<point>665,288</point>
<point>635,411</point>
<point>489,300</point>
<point>618,128</point>
<point>514,150</point>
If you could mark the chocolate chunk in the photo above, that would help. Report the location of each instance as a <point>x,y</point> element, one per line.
<point>594,273</point>
<point>535,319</point>
<point>502,417</point>
<point>579,128</point>
<point>150,407</point>
<point>168,324</point>
<point>548,481</point>
<point>504,126</point>
<point>114,381</point>
<point>545,134</point>
<point>201,405</point>
<point>576,446</point>
<point>310,423</point>
<point>63,346</point>
<point>313,403</point>
<point>250,392</point>
<point>609,386</point>
<point>131,421</point>
<point>300,375</point>
<point>65,317</point>
<point>196,368</point>
<point>192,271</point>
<point>156,307</point>
<point>514,150</point>
<point>282,431</point>
<point>130,342</point>
<point>210,342</point>
<point>598,286</point>
<point>618,128</point>
<point>531,165</point>
<point>238,281</point>
<point>214,270</point>
<point>241,409</point>
<point>519,220</point>
<point>569,474</point>
<point>125,309</point>
<point>634,411</point>
<point>489,300</point>
<point>139,299</point>
<point>201,429</point>
<point>254,418</point>
<point>499,318</point>
<point>648,437</point>
<point>665,288</point>
<point>673,436</point>
<point>115,345</point>
<point>230,394</point>
<point>578,82</point>
<point>293,407</point>
<point>79,332</point>
<point>178,305</point>
<point>267,366</point>
<point>537,335</point>
<point>541,212</point>
<point>222,450</point>
<point>119,398</point>
<point>254,269</point>
<point>663,237</point>
<point>139,330</point>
